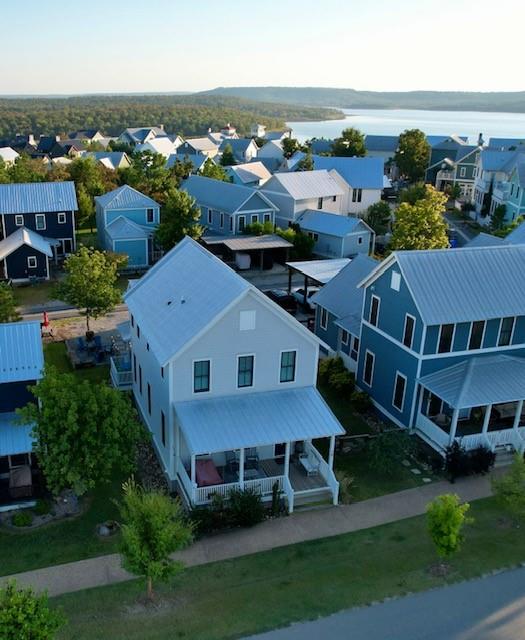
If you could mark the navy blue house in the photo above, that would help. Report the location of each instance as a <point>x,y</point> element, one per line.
<point>37,223</point>
<point>442,345</point>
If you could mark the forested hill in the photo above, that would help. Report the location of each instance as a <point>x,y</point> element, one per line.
<point>350,98</point>
<point>186,115</point>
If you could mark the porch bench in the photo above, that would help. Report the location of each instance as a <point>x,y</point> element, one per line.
<point>310,466</point>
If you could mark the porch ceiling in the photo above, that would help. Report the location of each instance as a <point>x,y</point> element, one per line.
<point>479,381</point>
<point>255,419</point>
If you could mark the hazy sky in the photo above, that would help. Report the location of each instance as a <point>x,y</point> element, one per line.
<point>83,46</point>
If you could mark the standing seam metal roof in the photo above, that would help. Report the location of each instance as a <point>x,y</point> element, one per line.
<point>358,173</point>
<point>303,185</point>
<point>328,223</point>
<point>38,197</point>
<point>24,236</point>
<point>125,197</point>
<point>224,196</point>
<point>21,354</point>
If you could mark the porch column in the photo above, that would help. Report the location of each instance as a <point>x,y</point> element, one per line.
<point>517,417</point>
<point>331,452</point>
<point>486,419</point>
<point>287,460</point>
<point>289,279</point>
<point>305,296</point>
<point>453,426</point>
<point>192,472</point>
<point>241,468</point>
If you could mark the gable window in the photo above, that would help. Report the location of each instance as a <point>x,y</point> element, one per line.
<point>132,320</point>
<point>254,218</point>
<point>359,239</point>
<point>368,372</point>
<point>287,366</point>
<point>357,195</point>
<point>476,334</point>
<point>395,281</point>
<point>221,220</point>
<point>162,372</point>
<point>149,398</point>
<point>163,428</point>
<point>446,335</point>
<point>40,222</point>
<point>462,172</point>
<point>201,376</point>
<point>374,311</point>
<point>19,221</point>
<point>344,337</point>
<point>267,217</point>
<point>242,223</point>
<point>245,371</point>
<point>31,262</point>
<point>398,399</point>
<point>209,216</point>
<point>323,319</point>
<point>355,349</point>
<point>61,218</point>
<point>408,333</point>
<point>319,203</point>
<point>149,215</point>
<point>247,320</point>
<point>505,331</point>
<point>138,331</point>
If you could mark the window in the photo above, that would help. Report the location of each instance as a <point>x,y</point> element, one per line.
<point>147,346</point>
<point>359,239</point>
<point>254,218</point>
<point>163,428</point>
<point>462,172</point>
<point>476,334</point>
<point>323,319</point>
<point>242,223</point>
<point>344,336</point>
<point>247,321</point>
<point>334,198</point>
<point>408,333</point>
<point>221,220</point>
<point>368,372</point>
<point>446,335</point>
<point>149,398</point>
<point>505,331</point>
<point>19,221</point>
<point>138,331</point>
<point>355,349</point>
<point>357,195</point>
<point>287,366</point>
<point>374,311</point>
<point>40,222</point>
<point>231,224</point>
<point>267,217</point>
<point>395,281</point>
<point>319,203</point>
<point>149,215</point>
<point>209,216</point>
<point>162,372</point>
<point>132,320</point>
<point>31,262</point>
<point>245,371</point>
<point>135,368</point>
<point>140,378</point>
<point>201,376</point>
<point>398,399</point>
<point>61,218</point>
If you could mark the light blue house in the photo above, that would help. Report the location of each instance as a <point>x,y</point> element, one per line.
<point>337,236</point>
<point>338,307</point>
<point>126,222</point>
<point>511,192</point>
<point>442,347</point>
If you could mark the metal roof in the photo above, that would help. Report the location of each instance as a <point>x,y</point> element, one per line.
<point>161,144</point>
<point>123,229</point>
<point>498,160</point>
<point>181,295</point>
<point>197,160</point>
<point>125,197</point>
<point>503,144</point>
<point>462,285</point>
<point>479,381</point>
<point>15,438</point>
<point>250,172</point>
<point>351,323</point>
<point>330,224</point>
<point>24,236</point>
<point>341,296</point>
<point>359,173</point>
<point>321,145</point>
<point>321,271</point>
<point>223,196</point>
<point>381,143</point>
<point>114,158</point>
<point>249,243</point>
<point>255,419</point>
<point>303,185</point>
<point>201,144</point>
<point>485,240</point>
<point>517,236</point>
<point>139,134</point>
<point>21,353</point>
<point>38,197</point>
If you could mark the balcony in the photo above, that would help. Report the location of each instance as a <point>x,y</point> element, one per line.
<point>501,191</point>
<point>120,371</point>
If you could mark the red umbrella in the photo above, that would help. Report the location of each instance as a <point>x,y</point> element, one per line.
<point>46,319</point>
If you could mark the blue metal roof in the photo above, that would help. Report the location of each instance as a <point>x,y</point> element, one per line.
<point>15,438</point>
<point>498,160</point>
<point>351,324</point>
<point>503,144</point>
<point>24,236</point>
<point>125,197</point>
<point>330,224</point>
<point>381,143</point>
<point>485,240</point>
<point>321,145</point>
<point>224,196</point>
<point>359,173</point>
<point>38,197</point>
<point>255,419</point>
<point>341,296</point>
<point>124,229</point>
<point>517,236</point>
<point>197,160</point>
<point>479,381</point>
<point>21,354</point>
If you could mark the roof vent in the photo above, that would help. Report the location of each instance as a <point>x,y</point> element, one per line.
<point>182,300</point>
<point>169,302</point>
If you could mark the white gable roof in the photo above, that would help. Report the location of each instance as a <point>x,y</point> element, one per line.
<point>24,236</point>
<point>303,185</point>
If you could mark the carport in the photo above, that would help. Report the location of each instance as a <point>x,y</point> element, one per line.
<point>317,272</point>
<point>253,245</point>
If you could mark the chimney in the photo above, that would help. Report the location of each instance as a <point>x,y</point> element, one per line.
<point>481,142</point>
<point>161,127</point>
<point>209,129</point>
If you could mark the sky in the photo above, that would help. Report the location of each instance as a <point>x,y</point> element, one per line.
<point>79,46</point>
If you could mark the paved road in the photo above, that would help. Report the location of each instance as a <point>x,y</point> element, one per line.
<point>490,608</point>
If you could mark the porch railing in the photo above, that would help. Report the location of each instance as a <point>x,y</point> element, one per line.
<point>432,431</point>
<point>186,483</point>
<point>264,486</point>
<point>288,490</point>
<point>121,377</point>
<point>325,471</point>
<point>474,440</point>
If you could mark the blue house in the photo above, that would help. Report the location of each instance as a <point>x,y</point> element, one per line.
<point>21,365</point>
<point>443,344</point>
<point>126,222</point>
<point>41,216</point>
<point>337,236</point>
<point>338,308</point>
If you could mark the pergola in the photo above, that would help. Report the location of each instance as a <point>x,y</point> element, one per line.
<point>318,272</point>
<point>250,244</point>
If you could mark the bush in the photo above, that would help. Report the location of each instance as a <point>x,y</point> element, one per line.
<point>42,507</point>
<point>345,486</point>
<point>362,401</point>
<point>22,519</point>
<point>459,462</point>
<point>245,508</point>
<point>481,459</point>
<point>386,451</point>
<point>333,373</point>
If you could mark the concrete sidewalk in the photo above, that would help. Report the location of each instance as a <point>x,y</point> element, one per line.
<point>299,527</point>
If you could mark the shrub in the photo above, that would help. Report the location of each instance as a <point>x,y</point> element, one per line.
<point>361,400</point>
<point>333,373</point>
<point>510,488</point>
<point>386,451</point>
<point>42,507</point>
<point>446,518</point>
<point>245,508</point>
<point>459,462</point>
<point>481,460</point>
<point>22,519</point>
<point>345,486</point>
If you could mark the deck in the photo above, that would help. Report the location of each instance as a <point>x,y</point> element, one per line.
<point>298,478</point>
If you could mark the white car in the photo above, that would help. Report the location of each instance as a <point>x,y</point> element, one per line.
<point>298,294</point>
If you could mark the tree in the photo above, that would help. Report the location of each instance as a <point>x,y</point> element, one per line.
<point>412,154</point>
<point>180,217</point>
<point>181,169</point>
<point>25,169</point>
<point>446,518</point>
<point>24,615</point>
<point>84,431</point>
<point>8,312</point>
<point>290,146</point>
<point>227,158</point>
<point>510,488</point>
<point>259,228</point>
<point>421,225</point>
<point>90,283</point>
<point>215,171</point>
<point>153,528</point>
<point>86,207</point>
<point>497,219</point>
<point>4,173</point>
<point>412,194</point>
<point>378,217</point>
<point>149,175</point>
<point>351,143</point>
<point>303,245</point>
<point>306,163</point>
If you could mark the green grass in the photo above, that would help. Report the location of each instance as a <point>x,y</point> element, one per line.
<point>344,412</point>
<point>56,355</point>
<point>86,238</point>
<point>35,294</point>
<point>263,591</point>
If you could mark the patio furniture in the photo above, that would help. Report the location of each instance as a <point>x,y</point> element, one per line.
<point>251,459</point>
<point>20,482</point>
<point>310,465</point>
<point>206,473</point>
<point>232,464</point>
<point>98,343</point>
<point>251,474</point>
<point>81,344</point>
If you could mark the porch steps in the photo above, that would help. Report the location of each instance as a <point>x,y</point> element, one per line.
<point>503,457</point>
<point>311,500</point>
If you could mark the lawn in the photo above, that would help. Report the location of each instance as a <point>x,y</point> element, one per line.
<point>263,591</point>
<point>35,294</point>
<point>56,355</point>
<point>86,238</point>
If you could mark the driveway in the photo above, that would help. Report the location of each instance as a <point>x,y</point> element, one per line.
<point>491,608</point>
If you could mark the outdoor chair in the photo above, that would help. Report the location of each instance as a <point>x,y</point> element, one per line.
<point>251,459</point>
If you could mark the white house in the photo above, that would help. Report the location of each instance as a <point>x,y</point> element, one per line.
<point>8,155</point>
<point>141,135</point>
<point>243,149</point>
<point>205,146</point>
<point>249,174</point>
<point>225,381</point>
<point>163,145</point>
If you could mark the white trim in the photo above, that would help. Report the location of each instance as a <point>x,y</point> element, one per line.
<point>252,216</point>
<point>511,333</point>
<point>252,385</point>
<point>32,259</point>
<point>373,368</point>
<point>409,315</point>
<point>296,351</point>
<point>454,325</point>
<point>200,393</point>
<point>370,310</point>
<point>18,224</point>
<point>243,216</point>
<point>323,325</point>
<point>482,335</point>
<point>40,215</point>
<point>399,375</point>
<point>347,341</point>
<point>61,218</point>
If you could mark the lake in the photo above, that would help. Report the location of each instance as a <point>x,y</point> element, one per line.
<point>394,121</point>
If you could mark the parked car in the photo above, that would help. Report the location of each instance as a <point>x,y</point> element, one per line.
<point>283,299</point>
<point>298,294</point>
